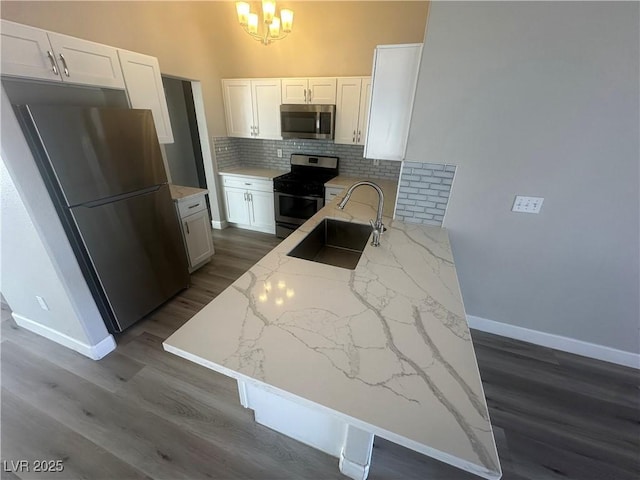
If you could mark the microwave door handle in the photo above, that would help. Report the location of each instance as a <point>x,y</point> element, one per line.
<point>318,123</point>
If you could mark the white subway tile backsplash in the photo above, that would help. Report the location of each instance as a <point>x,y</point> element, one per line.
<point>424,192</point>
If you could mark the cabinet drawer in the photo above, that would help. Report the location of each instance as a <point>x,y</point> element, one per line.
<point>248,183</point>
<point>193,205</point>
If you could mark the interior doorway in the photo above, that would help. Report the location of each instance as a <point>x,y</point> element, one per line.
<point>184,155</point>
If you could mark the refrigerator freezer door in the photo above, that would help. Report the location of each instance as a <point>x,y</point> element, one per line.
<point>97,153</point>
<point>136,249</point>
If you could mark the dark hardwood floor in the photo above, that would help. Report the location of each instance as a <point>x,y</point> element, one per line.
<point>144,413</point>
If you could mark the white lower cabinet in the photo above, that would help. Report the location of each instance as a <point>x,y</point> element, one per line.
<point>196,230</point>
<point>331,192</point>
<point>249,203</point>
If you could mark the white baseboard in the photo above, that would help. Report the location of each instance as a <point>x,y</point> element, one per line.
<point>557,342</point>
<point>95,352</point>
<point>221,225</point>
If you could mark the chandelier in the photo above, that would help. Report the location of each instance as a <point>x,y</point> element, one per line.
<point>274,28</point>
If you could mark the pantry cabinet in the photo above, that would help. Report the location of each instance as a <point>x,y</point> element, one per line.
<point>352,110</point>
<point>30,52</point>
<point>252,107</point>
<point>249,203</point>
<point>394,79</point>
<point>316,90</point>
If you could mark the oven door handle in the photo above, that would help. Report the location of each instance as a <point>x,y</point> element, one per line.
<point>296,196</point>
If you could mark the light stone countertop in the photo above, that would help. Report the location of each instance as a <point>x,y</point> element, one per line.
<point>386,344</point>
<point>264,173</point>
<point>179,192</point>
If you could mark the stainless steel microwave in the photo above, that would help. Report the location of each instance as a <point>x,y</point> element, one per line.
<point>307,121</point>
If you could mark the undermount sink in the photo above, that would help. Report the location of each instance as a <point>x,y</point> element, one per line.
<point>334,242</point>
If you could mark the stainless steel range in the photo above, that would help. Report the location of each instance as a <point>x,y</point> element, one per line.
<point>299,194</point>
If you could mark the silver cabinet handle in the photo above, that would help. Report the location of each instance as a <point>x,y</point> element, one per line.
<point>245,196</point>
<point>305,95</point>
<point>358,135</point>
<point>53,62</point>
<point>186,225</point>
<point>257,131</point>
<point>354,137</point>
<point>251,197</point>
<point>194,205</point>
<point>309,95</point>
<point>64,64</point>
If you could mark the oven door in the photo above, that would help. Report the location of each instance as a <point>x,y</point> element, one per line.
<point>295,209</point>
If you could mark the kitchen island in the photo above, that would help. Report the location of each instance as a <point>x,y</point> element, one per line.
<point>334,357</point>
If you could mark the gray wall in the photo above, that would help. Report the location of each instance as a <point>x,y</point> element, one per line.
<point>539,99</point>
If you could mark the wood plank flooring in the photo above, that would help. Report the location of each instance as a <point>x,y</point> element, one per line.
<point>144,413</point>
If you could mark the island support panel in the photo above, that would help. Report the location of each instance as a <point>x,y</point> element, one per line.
<point>352,445</point>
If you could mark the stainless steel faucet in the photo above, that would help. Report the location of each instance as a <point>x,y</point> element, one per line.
<point>377,226</point>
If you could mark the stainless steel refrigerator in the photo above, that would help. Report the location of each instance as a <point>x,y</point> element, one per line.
<point>104,171</point>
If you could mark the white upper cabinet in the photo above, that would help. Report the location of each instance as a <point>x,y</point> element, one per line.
<point>144,88</point>
<point>238,107</point>
<point>30,52</point>
<point>395,75</point>
<point>26,52</point>
<point>317,90</point>
<point>252,107</point>
<point>352,107</point>
<point>266,108</point>
<point>86,63</point>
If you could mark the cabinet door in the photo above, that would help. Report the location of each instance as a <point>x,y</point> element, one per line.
<point>294,90</point>
<point>262,211</point>
<point>363,117</point>
<point>347,109</point>
<point>238,108</point>
<point>266,108</point>
<point>323,91</point>
<point>395,73</point>
<point>236,205</point>
<point>197,237</point>
<point>26,52</point>
<point>145,90</point>
<point>85,62</point>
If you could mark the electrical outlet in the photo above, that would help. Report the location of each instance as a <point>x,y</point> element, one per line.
<point>376,162</point>
<point>42,303</point>
<point>527,204</point>
<point>279,152</point>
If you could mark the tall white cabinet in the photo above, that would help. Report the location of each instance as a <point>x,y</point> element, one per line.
<point>352,110</point>
<point>145,90</point>
<point>252,107</point>
<point>394,79</point>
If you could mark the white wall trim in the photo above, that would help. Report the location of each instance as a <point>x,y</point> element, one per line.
<point>219,225</point>
<point>557,342</point>
<point>95,352</point>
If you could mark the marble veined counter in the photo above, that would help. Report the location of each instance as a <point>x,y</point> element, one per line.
<point>266,173</point>
<point>384,348</point>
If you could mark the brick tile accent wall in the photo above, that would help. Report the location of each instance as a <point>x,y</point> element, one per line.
<point>424,192</point>
<point>231,152</point>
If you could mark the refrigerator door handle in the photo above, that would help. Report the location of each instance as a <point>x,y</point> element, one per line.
<point>124,196</point>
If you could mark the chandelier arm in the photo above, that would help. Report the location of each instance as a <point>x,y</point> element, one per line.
<point>265,39</point>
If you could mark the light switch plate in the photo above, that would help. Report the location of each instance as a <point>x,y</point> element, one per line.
<point>527,204</point>
<point>43,304</point>
<point>279,152</point>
